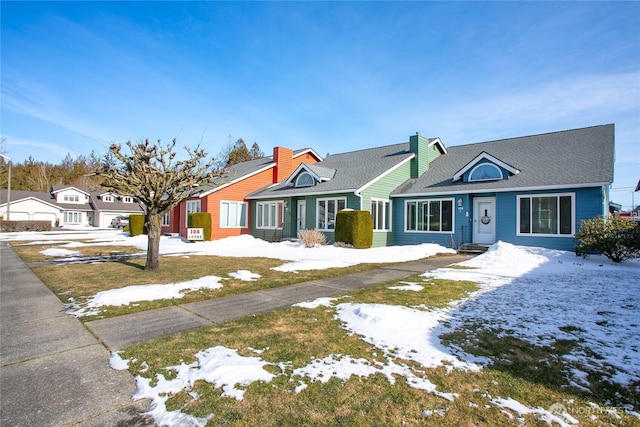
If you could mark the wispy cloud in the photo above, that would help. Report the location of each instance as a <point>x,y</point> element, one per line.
<point>20,148</point>
<point>589,97</point>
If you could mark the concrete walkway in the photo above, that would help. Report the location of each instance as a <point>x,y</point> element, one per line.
<point>54,371</point>
<point>119,332</point>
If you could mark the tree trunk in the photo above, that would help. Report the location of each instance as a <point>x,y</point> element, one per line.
<point>153,224</point>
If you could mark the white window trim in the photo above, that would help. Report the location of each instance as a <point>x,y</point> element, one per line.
<point>187,211</point>
<point>108,198</point>
<point>487,179</point>
<point>384,219</point>
<point>453,215</point>
<point>279,221</point>
<point>336,200</point>
<point>166,219</point>
<point>558,195</point>
<point>238,214</point>
<point>305,173</point>
<point>127,199</point>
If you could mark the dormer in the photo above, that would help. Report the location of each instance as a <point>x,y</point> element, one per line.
<point>70,195</point>
<point>485,167</point>
<point>307,175</point>
<point>108,197</point>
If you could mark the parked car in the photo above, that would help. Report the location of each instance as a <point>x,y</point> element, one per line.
<point>120,221</point>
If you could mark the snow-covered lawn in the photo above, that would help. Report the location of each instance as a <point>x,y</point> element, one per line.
<point>535,294</point>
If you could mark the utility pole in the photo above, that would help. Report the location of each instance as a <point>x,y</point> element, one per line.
<point>7,158</point>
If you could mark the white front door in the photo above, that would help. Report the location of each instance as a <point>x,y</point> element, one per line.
<point>301,215</point>
<point>484,220</point>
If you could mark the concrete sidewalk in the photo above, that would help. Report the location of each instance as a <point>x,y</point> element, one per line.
<point>122,331</point>
<point>53,372</point>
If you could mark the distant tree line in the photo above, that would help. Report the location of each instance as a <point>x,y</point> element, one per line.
<point>35,175</point>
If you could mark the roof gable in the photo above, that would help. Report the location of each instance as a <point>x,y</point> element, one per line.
<point>481,159</point>
<point>58,188</point>
<point>564,159</point>
<point>348,172</point>
<point>319,173</point>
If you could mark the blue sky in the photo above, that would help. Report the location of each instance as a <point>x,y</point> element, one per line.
<point>335,76</point>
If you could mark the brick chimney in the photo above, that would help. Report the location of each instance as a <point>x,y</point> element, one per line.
<point>283,157</point>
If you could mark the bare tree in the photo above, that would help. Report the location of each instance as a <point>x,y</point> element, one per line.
<point>151,174</point>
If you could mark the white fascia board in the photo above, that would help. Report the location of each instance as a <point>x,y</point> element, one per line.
<point>308,150</point>
<point>440,144</point>
<point>70,188</point>
<point>503,190</point>
<point>225,185</point>
<point>34,199</point>
<point>385,173</point>
<point>320,193</point>
<point>482,156</point>
<point>302,167</point>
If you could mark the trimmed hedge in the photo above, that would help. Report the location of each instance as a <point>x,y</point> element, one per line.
<point>136,225</point>
<point>12,226</point>
<point>201,220</point>
<point>354,228</point>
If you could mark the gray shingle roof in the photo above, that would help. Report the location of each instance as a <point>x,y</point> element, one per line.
<point>17,195</point>
<point>244,169</point>
<point>558,159</point>
<point>353,170</point>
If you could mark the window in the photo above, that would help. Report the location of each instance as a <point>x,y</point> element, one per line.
<point>166,218</point>
<point>108,198</point>
<point>485,172</point>
<point>270,215</point>
<point>381,214</point>
<point>548,214</point>
<point>73,198</point>
<point>233,214</point>
<point>192,206</point>
<point>305,180</point>
<point>326,211</point>
<point>127,199</point>
<point>73,217</point>
<point>429,215</point>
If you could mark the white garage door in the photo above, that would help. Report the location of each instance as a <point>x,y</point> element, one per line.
<point>45,216</point>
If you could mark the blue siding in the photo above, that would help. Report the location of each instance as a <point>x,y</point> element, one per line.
<point>589,203</point>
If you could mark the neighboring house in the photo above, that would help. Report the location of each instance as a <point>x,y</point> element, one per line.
<point>30,206</point>
<point>225,199</point>
<point>67,205</point>
<point>311,196</point>
<point>107,206</point>
<point>532,190</point>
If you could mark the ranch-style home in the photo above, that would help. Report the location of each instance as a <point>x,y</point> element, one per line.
<point>225,198</point>
<point>67,205</point>
<point>313,194</point>
<point>531,190</point>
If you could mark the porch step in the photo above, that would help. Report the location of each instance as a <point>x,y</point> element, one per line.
<point>473,249</point>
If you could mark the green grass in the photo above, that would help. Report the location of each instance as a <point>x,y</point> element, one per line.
<point>534,376</point>
<point>78,282</point>
<point>297,336</point>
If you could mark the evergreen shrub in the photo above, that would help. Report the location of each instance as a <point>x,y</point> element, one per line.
<point>615,237</point>
<point>354,228</point>
<point>136,225</point>
<point>201,220</point>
